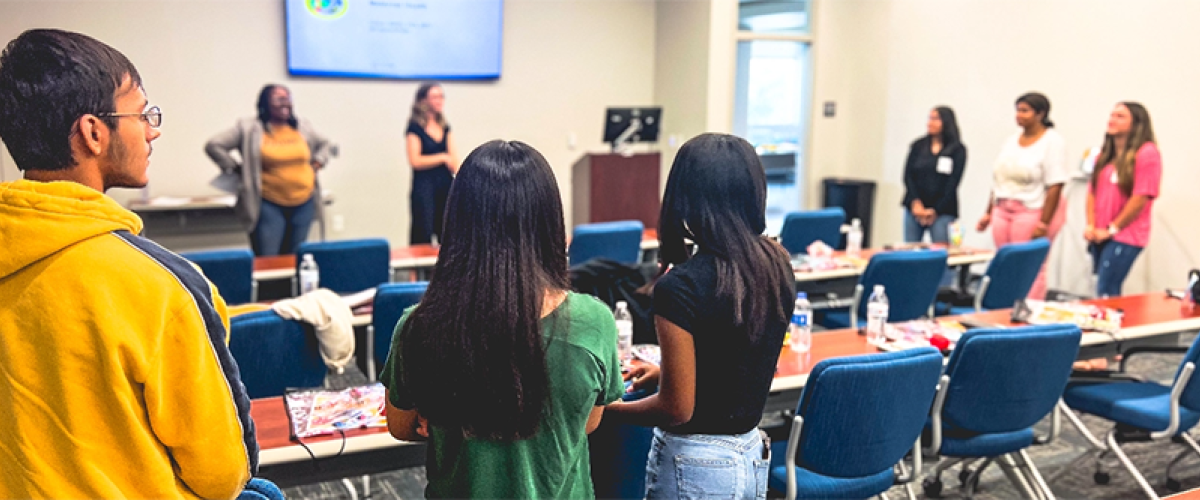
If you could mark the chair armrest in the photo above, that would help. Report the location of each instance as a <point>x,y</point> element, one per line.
<point>1149,349</point>
<point>1055,425</point>
<point>858,295</point>
<point>790,460</point>
<point>984,284</point>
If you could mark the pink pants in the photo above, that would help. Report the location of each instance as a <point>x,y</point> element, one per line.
<point>1012,222</point>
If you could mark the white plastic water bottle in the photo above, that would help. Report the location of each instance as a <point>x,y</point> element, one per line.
<point>854,238</point>
<point>877,316</point>
<point>624,332</point>
<point>800,331</point>
<point>310,275</point>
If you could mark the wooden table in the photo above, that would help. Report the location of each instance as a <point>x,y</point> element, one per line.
<point>1150,319</point>
<point>284,461</point>
<point>957,258</point>
<point>403,258</point>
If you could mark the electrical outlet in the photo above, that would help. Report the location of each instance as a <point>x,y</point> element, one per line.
<point>339,223</point>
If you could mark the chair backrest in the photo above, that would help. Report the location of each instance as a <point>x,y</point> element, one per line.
<point>1005,380</point>
<point>910,279</point>
<point>620,241</point>
<point>349,266</point>
<point>391,299</point>
<point>863,413</point>
<point>801,229</point>
<point>1191,394</point>
<point>274,354</point>
<point>618,456</point>
<point>232,271</point>
<point>1012,272</point>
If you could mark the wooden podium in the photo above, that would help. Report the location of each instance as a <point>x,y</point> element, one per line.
<point>607,187</point>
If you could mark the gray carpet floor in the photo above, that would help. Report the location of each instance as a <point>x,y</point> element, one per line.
<point>1066,463</point>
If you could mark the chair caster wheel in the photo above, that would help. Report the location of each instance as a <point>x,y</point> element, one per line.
<point>963,475</point>
<point>932,488</point>
<point>1101,478</point>
<point>1174,485</point>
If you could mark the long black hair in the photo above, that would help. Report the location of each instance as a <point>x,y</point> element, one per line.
<point>1040,104</point>
<point>473,353</point>
<point>716,196</point>
<point>950,134</point>
<point>264,106</point>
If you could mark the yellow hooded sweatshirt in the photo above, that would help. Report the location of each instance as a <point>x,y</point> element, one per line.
<point>115,377</point>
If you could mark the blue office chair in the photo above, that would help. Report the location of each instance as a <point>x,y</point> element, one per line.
<point>998,384</point>
<point>349,266</point>
<point>1009,276</point>
<point>910,280</point>
<point>232,271</point>
<point>857,418</point>
<point>1142,411</point>
<point>618,456</point>
<point>274,354</point>
<point>801,229</point>
<point>391,300</point>
<point>620,241</point>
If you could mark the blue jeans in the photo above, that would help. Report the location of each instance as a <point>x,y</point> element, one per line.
<point>280,230</point>
<point>705,466</point>
<point>939,232</point>
<point>1111,262</point>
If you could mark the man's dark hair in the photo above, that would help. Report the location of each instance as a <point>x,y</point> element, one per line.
<point>48,79</point>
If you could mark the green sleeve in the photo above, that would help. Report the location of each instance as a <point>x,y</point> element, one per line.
<point>392,376</point>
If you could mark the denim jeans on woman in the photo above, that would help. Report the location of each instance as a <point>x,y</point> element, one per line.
<point>939,232</point>
<point>688,466</point>
<point>280,230</point>
<point>1111,262</point>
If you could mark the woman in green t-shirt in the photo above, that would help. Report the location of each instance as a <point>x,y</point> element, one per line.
<point>500,367</point>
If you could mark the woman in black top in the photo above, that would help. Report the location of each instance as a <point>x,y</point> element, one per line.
<point>431,154</point>
<point>931,176</point>
<point>720,316</point>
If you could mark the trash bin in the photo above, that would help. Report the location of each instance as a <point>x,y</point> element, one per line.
<point>856,197</point>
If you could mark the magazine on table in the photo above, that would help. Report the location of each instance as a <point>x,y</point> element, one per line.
<point>315,412</point>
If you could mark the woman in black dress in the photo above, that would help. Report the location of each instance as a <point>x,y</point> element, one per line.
<point>431,154</point>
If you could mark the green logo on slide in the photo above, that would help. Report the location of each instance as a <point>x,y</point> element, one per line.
<point>327,9</point>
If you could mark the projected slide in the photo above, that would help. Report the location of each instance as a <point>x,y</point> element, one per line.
<point>417,39</point>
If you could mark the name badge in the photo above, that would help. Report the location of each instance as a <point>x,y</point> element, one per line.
<point>945,165</point>
<point>1114,176</point>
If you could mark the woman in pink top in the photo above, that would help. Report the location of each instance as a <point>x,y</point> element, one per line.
<point>1124,185</point>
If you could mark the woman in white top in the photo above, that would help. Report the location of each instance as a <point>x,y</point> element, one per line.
<point>1028,181</point>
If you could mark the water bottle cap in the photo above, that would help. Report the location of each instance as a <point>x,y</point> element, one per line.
<point>855,222</point>
<point>621,304</point>
<point>308,257</point>
<point>801,295</point>
<point>878,288</point>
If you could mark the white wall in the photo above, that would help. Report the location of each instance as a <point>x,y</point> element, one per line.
<point>694,70</point>
<point>887,62</point>
<point>204,61</point>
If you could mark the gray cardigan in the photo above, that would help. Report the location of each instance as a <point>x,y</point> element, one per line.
<point>246,138</point>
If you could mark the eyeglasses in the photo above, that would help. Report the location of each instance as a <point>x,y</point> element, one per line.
<point>152,116</point>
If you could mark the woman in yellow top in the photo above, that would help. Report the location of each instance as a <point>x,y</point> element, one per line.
<point>279,157</point>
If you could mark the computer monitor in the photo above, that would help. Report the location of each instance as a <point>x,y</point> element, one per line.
<point>628,125</point>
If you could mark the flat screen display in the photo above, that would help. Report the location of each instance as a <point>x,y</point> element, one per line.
<point>403,39</point>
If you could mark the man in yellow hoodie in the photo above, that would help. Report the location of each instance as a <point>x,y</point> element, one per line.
<point>115,377</point>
